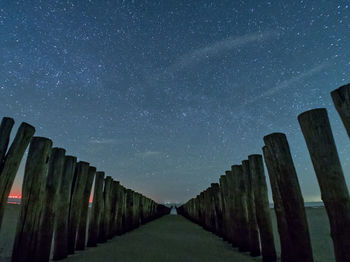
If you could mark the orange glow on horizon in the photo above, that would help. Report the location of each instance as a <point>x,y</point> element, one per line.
<point>19,196</point>
<point>16,196</point>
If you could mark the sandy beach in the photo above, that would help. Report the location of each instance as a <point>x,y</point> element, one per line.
<point>173,238</point>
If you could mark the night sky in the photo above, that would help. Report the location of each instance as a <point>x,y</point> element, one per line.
<point>164,96</point>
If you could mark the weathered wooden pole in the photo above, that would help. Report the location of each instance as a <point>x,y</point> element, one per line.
<point>208,209</point>
<point>254,243</point>
<point>122,225</point>
<point>234,199</point>
<point>60,249</point>
<point>262,208</point>
<point>114,192</point>
<point>5,132</point>
<point>105,219</point>
<point>230,208</point>
<point>201,208</point>
<point>225,220</point>
<point>143,209</point>
<point>286,246</point>
<point>217,208</point>
<point>334,192</point>
<point>282,168</point>
<point>80,177</point>
<point>241,216</point>
<point>11,160</point>
<point>31,202</point>
<point>48,213</point>
<point>341,100</point>
<point>129,209</point>
<point>211,209</point>
<point>96,210</point>
<point>136,209</point>
<point>81,233</point>
<point>242,199</point>
<point>121,210</point>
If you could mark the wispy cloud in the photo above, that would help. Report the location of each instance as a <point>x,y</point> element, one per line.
<point>102,141</point>
<point>287,83</point>
<point>218,48</point>
<point>148,154</point>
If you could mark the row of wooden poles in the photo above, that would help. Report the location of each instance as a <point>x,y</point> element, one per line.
<point>54,214</point>
<point>237,208</point>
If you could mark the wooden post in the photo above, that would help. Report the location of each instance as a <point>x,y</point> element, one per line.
<point>96,210</point>
<point>286,243</point>
<point>341,100</point>
<point>31,202</point>
<point>225,220</point>
<point>254,243</point>
<point>208,209</point>
<point>48,213</point>
<point>282,168</point>
<point>81,236</point>
<point>137,210</point>
<point>143,209</point>
<point>121,209</point>
<point>134,210</point>
<point>262,208</point>
<point>104,226</point>
<point>5,132</point>
<point>10,163</point>
<point>123,222</point>
<point>216,207</point>
<point>81,174</point>
<point>60,250</point>
<point>117,205</point>
<point>233,185</point>
<point>230,208</point>
<point>113,199</point>
<point>129,208</point>
<point>334,192</point>
<point>242,231</point>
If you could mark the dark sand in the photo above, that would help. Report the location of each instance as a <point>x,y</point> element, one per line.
<point>173,238</point>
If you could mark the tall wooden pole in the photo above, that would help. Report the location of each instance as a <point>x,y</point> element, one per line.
<point>81,233</point>
<point>104,225</point>
<point>262,208</point>
<point>129,208</point>
<point>286,244</point>
<point>254,243</point>
<point>230,208</point>
<point>242,212</point>
<point>10,162</point>
<point>341,100</point>
<point>113,213</point>
<point>96,210</point>
<point>121,221</point>
<point>334,192</point>
<point>232,187</point>
<point>60,250</point>
<point>116,204</point>
<point>225,220</point>
<point>81,174</point>
<point>282,168</point>
<point>5,132</point>
<point>286,248</point>
<point>31,203</point>
<point>48,213</point>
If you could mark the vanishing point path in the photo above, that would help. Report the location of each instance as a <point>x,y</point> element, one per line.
<point>171,238</point>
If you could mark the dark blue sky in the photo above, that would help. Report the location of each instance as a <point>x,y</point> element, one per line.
<point>165,95</point>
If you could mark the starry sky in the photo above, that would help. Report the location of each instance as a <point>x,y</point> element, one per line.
<point>164,96</point>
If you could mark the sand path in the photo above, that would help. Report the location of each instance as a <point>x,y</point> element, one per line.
<point>170,238</point>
